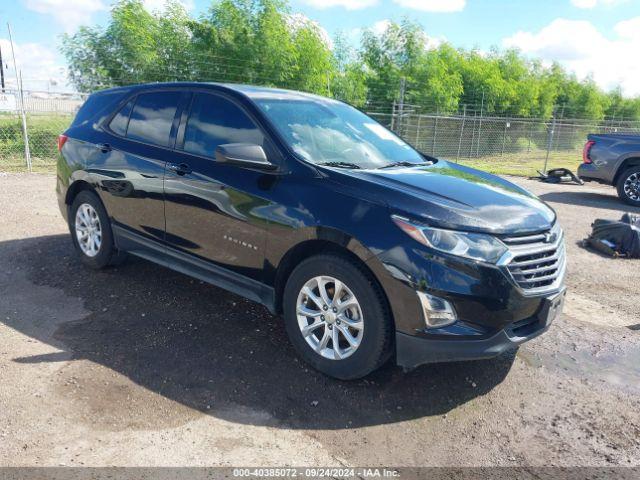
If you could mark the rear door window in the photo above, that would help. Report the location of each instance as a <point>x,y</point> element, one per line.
<point>152,117</point>
<point>214,121</point>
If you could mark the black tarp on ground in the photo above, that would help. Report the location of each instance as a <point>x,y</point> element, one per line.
<point>619,238</point>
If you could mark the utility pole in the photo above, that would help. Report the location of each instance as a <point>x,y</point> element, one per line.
<point>1,70</point>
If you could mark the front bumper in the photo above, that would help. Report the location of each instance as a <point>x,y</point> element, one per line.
<point>412,351</point>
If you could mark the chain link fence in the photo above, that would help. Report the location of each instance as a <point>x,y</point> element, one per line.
<point>46,115</point>
<point>503,145</point>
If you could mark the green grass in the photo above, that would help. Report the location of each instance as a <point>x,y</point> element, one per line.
<point>16,164</point>
<point>525,164</point>
<point>43,132</point>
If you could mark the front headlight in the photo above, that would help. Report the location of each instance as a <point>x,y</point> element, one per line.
<point>476,246</point>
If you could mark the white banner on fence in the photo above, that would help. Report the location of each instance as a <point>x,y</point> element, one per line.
<point>7,102</point>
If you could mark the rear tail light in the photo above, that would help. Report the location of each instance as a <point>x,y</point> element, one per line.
<point>586,152</point>
<point>62,139</point>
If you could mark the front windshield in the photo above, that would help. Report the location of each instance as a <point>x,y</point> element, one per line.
<point>329,132</point>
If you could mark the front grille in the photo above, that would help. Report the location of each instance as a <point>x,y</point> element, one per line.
<point>537,262</point>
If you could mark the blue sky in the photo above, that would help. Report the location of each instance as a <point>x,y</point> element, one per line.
<point>601,37</point>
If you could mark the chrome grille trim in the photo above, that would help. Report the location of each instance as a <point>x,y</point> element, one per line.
<point>535,266</point>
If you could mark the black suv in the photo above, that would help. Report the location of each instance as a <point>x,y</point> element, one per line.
<point>368,248</point>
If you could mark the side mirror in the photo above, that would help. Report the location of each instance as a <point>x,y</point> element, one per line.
<point>244,155</point>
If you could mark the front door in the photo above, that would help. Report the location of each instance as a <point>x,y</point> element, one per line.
<point>215,210</point>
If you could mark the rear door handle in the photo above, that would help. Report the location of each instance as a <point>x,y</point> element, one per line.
<point>103,147</point>
<point>179,169</point>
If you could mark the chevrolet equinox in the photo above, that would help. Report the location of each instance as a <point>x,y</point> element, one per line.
<point>368,248</point>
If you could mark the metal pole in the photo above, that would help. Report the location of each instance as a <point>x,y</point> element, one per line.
<point>549,142</point>
<point>473,133</point>
<point>559,128</point>
<point>27,149</point>
<point>435,134</point>
<point>27,153</point>
<point>504,137</point>
<point>393,116</point>
<point>464,118</point>
<point>403,84</point>
<point>1,70</point>
<point>480,126</point>
<point>418,131</point>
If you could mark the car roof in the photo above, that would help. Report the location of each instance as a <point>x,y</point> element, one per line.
<point>253,92</point>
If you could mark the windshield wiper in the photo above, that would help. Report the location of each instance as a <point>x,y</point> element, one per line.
<point>405,164</point>
<point>340,164</point>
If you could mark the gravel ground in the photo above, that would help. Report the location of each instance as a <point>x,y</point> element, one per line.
<point>138,365</point>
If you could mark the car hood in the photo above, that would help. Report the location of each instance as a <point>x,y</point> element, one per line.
<point>453,196</point>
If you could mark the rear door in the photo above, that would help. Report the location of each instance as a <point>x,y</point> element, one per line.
<point>215,211</point>
<point>132,163</point>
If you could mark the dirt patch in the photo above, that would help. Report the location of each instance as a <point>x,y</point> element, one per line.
<point>142,366</point>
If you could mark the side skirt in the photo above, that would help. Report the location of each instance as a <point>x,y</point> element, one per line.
<point>166,256</point>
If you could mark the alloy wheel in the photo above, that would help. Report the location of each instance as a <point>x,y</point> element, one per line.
<point>632,187</point>
<point>330,317</point>
<point>88,230</point>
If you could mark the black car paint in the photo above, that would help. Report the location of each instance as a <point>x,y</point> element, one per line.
<point>239,228</point>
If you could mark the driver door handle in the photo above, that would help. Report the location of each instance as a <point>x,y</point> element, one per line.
<point>179,169</point>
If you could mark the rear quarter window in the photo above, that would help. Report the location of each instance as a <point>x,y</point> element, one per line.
<point>119,123</point>
<point>98,106</point>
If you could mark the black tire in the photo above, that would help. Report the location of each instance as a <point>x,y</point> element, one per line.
<point>107,253</point>
<point>628,173</point>
<point>376,342</point>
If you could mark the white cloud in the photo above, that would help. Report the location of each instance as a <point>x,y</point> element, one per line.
<point>629,29</point>
<point>68,13</point>
<point>40,65</point>
<point>299,20</point>
<point>380,26</point>
<point>442,6</point>
<point>348,4</point>
<point>584,3</point>
<point>581,48</point>
<point>589,4</point>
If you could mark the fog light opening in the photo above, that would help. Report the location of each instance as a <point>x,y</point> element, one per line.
<point>437,311</point>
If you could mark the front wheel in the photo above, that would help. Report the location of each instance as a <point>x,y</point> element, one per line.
<point>336,317</point>
<point>629,186</point>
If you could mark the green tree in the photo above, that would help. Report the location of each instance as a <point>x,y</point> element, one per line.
<point>348,82</point>
<point>136,46</point>
<point>249,41</point>
<point>262,42</point>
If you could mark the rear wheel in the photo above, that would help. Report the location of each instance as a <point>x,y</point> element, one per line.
<point>91,231</point>
<point>629,186</point>
<point>336,317</point>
